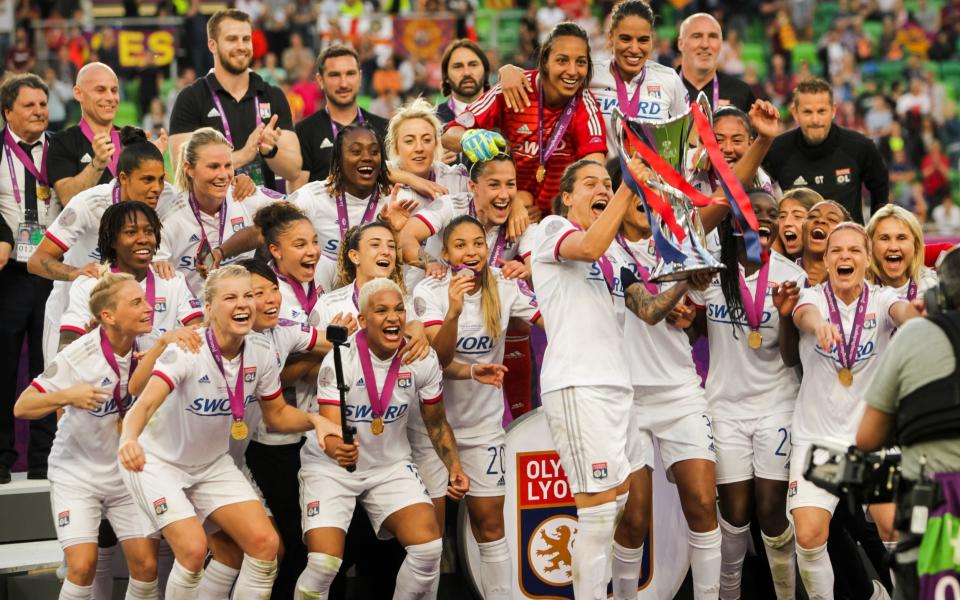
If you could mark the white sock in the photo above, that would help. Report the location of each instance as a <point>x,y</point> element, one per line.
<point>879,592</point>
<point>217,580</point>
<point>495,569</point>
<point>782,557</point>
<point>626,571</point>
<point>103,580</point>
<point>705,564</point>
<point>165,560</point>
<point>733,548</point>
<point>593,550</point>
<point>314,582</point>
<point>256,578</point>
<point>419,572</point>
<point>142,590</point>
<point>182,584</point>
<point>72,591</point>
<point>816,572</point>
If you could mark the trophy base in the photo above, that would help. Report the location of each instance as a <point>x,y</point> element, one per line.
<point>684,274</point>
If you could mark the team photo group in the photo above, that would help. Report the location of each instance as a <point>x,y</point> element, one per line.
<point>599,218</point>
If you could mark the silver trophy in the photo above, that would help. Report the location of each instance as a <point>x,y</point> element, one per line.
<point>670,139</point>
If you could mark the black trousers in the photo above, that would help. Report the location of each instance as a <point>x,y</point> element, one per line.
<point>23,298</point>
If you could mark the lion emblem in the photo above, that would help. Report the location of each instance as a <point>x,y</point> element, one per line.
<point>550,550</point>
<point>558,548</point>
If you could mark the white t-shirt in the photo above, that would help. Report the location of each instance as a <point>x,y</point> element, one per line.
<point>280,342</point>
<point>473,409</point>
<point>826,409</point>
<point>85,449</point>
<point>324,277</point>
<point>181,232</point>
<point>586,345</point>
<point>192,427</point>
<point>421,381</point>
<point>174,304</point>
<point>744,382</point>
<point>662,95</point>
<point>659,355</point>
<point>320,206</point>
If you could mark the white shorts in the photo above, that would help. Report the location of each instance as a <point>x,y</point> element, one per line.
<point>78,510</point>
<point>640,450</point>
<point>802,493</point>
<point>328,498</point>
<point>482,459</point>
<point>167,493</point>
<point>681,426</point>
<point>748,448</point>
<point>589,426</point>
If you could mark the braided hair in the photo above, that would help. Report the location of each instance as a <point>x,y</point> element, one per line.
<point>113,221</point>
<point>335,181</point>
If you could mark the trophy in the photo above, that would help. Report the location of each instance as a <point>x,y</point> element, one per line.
<point>670,140</point>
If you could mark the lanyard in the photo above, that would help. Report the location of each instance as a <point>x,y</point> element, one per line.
<point>114,139</point>
<point>343,219</point>
<point>195,207</point>
<point>847,349</point>
<point>556,136</point>
<point>308,299</point>
<point>379,401</point>
<point>107,348</point>
<point>235,394</point>
<point>629,106</point>
<point>642,270</point>
<point>753,306</point>
<point>10,146</point>
<point>333,124</point>
<point>223,116</point>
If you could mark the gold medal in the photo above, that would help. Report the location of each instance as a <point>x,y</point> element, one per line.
<point>239,430</point>
<point>43,193</point>
<point>119,424</point>
<point>541,173</point>
<point>845,376</point>
<point>376,427</point>
<point>754,339</point>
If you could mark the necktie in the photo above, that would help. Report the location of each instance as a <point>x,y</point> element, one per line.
<point>29,187</point>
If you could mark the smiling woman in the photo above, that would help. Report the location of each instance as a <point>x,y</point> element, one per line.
<point>897,257</point>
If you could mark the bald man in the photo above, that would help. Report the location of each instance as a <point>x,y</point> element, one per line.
<point>86,154</point>
<point>699,42</point>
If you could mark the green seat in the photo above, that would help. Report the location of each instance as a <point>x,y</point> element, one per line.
<point>950,70</point>
<point>873,29</point>
<point>126,114</point>
<point>890,71</point>
<point>805,51</point>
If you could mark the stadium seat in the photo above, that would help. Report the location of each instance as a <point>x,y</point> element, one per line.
<point>127,114</point>
<point>805,51</point>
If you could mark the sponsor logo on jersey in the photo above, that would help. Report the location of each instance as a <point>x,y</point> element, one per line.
<point>800,181</point>
<point>194,238</point>
<point>204,379</point>
<point>212,407</point>
<point>305,327</point>
<point>653,90</point>
<point>160,304</point>
<point>404,380</point>
<point>265,112</point>
<point>523,129</point>
<point>249,374</point>
<point>194,303</point>
<point>106,381</point>
<point>160,506</point>
<point>326,143</point>
<point>237,224</point>
<point>501,482</point>
<point>360,383</point>
<point>792,490</point>
<point>364,414</point>
<point>480,344</point>
<point>870,321</point>
<point>63,519</point>
<point>843,176</point>
<point>599,470</point>
<point>313,508</point>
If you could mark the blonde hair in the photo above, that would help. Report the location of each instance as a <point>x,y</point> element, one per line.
<point>803,196</point>
<point>416,109</point>
<point>375,286</point>
<point>190,154</point>
<point>104,293</point>
<point>214,279</point>
<point>851,226</point>
<point>892,211</point>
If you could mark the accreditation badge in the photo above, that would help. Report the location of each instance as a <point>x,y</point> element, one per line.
<point>254,170</point>
<point>29,236</point>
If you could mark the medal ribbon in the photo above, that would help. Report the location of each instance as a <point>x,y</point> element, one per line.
<point>150,288</point>
<point>356,295</point>
<point>496,253</point>
<point>107,349</point>
<point>115,192</point>
<point>641,270</point>
<point>236,394</point>
<point>333,124</point>
<point>556,136</point>
<point>195,207</point>
<point>343,218</point>
<point>912,290</point>
<point>753,306</point>
<point>847,349</point>
<point>378,401</point>
<point>114,138</point>
<point>308,299</point>
<point>223,116</point>
<point>716,92</point>
<point>628,106</point>
<point>9,145</point>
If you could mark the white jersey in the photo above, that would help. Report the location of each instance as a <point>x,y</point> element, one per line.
<point>659,355</point>
<point>421,381</point>
<point>324,278</point>
<point>287,338</point>
<point>473,409</point>
<point>192,427</point>
<point>453,177</point>
<point>662,95</point>
<point>13,208</point>
<point>826,409</point>
<point>85,449</point>
<point>744,382</point>
<point>320,206</point>
<point>586,345</point>
<point>182,233</point>
<point>174,304</point>
<point>928,279</point>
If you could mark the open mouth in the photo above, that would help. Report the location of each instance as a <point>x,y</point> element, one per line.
<point>220,184</point>
<point>845,270</point>
<point>764,232</point>
<point>146,320</point>
<point>633,61</point>
<point>894,260</point>
<point>272,311</point>
<point>599,206</point>
<point>383,263</point>
<point>818,233</point>
<point>392,334</point>
<point>309,265</point>
<point>790,236</point>
<point>570,81</point>
<point>241,317</point>
<point>143,253</point>
<point>501,204</point>
<point>365,171</point>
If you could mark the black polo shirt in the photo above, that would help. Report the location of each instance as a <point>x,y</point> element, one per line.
<point>195,108</point>
<point>70,152</point>
<point>316,140</point>
<point>732,90</point>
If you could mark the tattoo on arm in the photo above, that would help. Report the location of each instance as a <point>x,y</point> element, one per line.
<point>652,308</point>
<point>441,435</point>
<point>54,269</point>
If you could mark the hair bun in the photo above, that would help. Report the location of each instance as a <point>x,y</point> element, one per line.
<point>130,135</point>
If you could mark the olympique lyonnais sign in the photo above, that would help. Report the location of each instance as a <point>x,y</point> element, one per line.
<point>137,45</point>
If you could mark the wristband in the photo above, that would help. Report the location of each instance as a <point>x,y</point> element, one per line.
<point>272,153</point>
<point>472,376</point>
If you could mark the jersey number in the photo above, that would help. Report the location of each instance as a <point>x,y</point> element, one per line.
<point>784,441</point>
<point>496,452</point>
